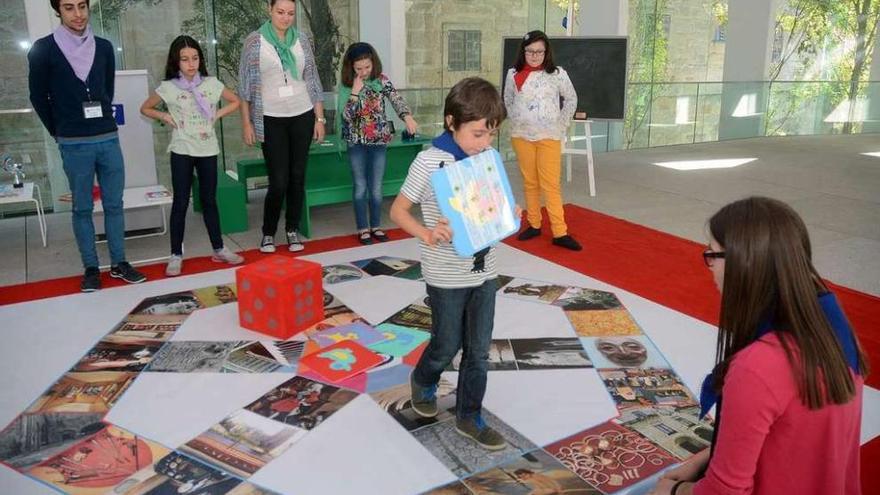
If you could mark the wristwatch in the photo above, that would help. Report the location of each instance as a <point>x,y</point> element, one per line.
<point>321,120</point>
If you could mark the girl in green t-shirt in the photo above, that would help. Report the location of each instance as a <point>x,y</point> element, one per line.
<point>190,98</point>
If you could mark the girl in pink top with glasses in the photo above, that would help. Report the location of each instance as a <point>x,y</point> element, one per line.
<point>789,372</point>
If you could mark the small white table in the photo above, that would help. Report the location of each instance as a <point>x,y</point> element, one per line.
<point>143,197</point>
<point>11,195</point>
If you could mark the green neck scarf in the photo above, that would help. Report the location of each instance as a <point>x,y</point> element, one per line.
<point>345,94</point>
<point>282,47</point>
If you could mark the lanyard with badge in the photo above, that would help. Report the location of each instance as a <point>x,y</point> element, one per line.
<point>91,109</point>
<point>285,91</point>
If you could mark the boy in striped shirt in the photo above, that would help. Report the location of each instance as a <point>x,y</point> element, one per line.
<point>461,290</point>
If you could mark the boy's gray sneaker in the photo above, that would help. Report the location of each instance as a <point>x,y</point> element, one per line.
<point>477,430</point>
<point>424,399</point>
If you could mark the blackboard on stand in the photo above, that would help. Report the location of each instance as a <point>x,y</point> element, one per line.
<point>596,67</point>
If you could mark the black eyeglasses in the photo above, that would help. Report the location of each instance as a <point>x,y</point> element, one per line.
<point>710,256</point>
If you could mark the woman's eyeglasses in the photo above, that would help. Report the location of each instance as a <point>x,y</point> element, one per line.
<point>710,256</point>
<point>535,53</point>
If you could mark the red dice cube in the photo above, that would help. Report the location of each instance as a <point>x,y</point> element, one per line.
<point>280,296</point>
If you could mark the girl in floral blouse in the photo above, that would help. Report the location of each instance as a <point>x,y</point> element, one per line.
<point>367,131</point>
<point>538,123</point>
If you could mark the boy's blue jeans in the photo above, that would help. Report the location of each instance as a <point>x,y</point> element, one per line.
<point>460,319</point>
<point>82,161</point>
<point>367,171</point>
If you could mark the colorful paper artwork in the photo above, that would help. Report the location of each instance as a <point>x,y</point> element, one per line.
<point>243,442</point>
<point>385,265</point>
<point>111,356</point>
<point>216,295</point>
<point>634,387</point>
<point>341,360</point>
<point>178,473</point>
<point>398,341</point>
<point>98,463</point>
<point>361,333</point>
<point>301,402</point>
<point>606,322</point>
<point>610,457</point>
<point>533,473</point>
<point>475,195</point>
<point>532,290</point>
<point>33,438</point>
<point>636,351</point>
<point>337,274</point>
<point>84,392</point>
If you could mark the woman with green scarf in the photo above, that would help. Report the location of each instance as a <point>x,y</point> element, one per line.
<point>282,108</point>
<point>367,132</point>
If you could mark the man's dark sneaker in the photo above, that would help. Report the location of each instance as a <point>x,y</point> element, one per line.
<point>126,272</point>
<point>528,233</point>
<point>477,430</point>
<point>424,399</point>
<point>91,281</point>
<point>567,242</point>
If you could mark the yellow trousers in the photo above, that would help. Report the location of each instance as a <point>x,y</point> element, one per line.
<point>540,163</point>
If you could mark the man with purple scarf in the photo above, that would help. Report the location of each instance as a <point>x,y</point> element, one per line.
<point>71,88</point>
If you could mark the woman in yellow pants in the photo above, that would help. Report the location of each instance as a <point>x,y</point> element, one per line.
<point>532,96</point>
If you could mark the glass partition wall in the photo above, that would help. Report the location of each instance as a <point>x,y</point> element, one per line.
<point>675,92</point>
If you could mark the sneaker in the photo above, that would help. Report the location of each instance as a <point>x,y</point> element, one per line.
<point>126,272</point>
<point>174,266</point>
<point>364,238</point>
<point>91,280</point>
<point>567,242</point>
<point>267,245</point>
<point>477,430</point>
<point>424,399</point>
<point>528,233</point>
<point>380,235</point>
<point>224,255</point>
<point>294,243</point>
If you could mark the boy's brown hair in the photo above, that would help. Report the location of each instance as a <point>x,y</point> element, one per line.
<point>472,99</point>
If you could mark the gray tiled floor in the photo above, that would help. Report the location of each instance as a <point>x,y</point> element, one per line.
<point>833,186</point>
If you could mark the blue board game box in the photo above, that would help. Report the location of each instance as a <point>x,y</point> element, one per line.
<point>474,194</point>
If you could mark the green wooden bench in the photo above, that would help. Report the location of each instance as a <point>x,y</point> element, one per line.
<point>328,174</point>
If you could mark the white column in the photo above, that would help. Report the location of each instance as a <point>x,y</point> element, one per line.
<point>749,41</point>
<point>41,19</point>
<point>383,25</point>
<point>603,18</point>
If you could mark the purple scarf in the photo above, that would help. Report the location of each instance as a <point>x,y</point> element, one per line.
<point>78,50</point>
<point>186,85</point>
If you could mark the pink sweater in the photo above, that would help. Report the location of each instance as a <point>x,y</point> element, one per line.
<point>770,443</point>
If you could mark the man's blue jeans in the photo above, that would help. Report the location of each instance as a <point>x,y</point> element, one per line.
<point>82,161</point>
<point>460,319</point>
<point>367,170</point>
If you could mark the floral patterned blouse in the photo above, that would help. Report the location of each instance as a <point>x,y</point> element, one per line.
<point>364,120</point>
<point>534,112</point>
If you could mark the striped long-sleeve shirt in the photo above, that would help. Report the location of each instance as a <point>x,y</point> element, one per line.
<point>441,266</point>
